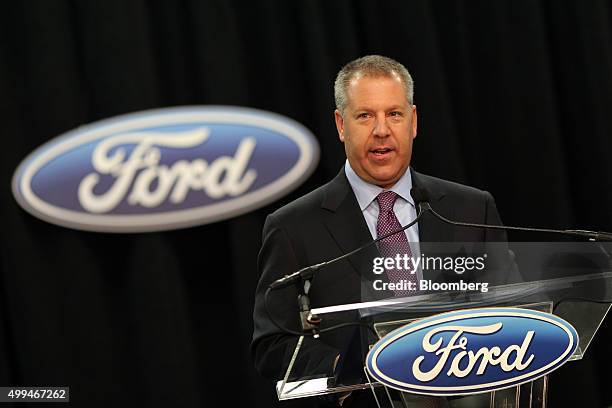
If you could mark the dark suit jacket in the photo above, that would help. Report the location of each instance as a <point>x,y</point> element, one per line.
<point>325,224</point>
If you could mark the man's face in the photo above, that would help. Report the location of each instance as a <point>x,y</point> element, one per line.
<point>377,127</point>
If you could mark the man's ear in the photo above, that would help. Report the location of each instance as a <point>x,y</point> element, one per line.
<point>414,121</point>
<point>339,124</point>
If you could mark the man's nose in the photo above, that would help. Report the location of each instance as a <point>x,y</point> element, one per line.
<point>381,128</point>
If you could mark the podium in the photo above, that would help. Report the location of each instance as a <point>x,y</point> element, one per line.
<point>570,282</point>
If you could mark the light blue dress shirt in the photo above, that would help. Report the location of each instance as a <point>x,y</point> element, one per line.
<point>404,207</point>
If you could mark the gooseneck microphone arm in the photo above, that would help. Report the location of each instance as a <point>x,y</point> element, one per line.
<point>308,272</point>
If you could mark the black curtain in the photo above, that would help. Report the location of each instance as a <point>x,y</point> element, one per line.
<point>514,96</point>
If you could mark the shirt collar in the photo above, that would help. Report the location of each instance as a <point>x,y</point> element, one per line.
<point>366,192</point>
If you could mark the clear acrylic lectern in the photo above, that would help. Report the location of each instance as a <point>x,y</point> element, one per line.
<point>570,280</point>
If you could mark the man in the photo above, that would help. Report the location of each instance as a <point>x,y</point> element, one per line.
<point>376,120</point>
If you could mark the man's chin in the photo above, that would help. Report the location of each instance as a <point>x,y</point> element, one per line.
<point>386,181</point>
<point>382,176</point>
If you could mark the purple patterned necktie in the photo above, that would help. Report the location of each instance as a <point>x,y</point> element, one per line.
<point>395,244</point>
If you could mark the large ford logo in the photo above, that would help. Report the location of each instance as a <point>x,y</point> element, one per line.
<point>472,351</point>
<point>165,169</point>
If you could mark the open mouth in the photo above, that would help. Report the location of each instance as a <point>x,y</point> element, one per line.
<point>381,151</point>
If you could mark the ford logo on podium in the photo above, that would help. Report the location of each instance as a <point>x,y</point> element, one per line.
<point>472,351</point>
<point>165,169</point>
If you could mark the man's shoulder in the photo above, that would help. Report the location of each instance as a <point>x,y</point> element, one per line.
<point>441,187</point>
<point>304,207</point>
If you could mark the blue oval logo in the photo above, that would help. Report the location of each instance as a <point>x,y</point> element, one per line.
<point>165,169</point>
<point>472,351</point>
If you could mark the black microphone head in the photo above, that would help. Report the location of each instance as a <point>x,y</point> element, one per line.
<point>419,195</point>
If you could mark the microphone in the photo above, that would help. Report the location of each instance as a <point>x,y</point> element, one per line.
<point>308,272</point>
<point>421,200</point>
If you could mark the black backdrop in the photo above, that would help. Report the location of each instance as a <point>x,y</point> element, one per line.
<point>513,97</point>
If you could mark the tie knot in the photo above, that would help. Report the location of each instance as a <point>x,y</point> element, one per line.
<point>386,199</point>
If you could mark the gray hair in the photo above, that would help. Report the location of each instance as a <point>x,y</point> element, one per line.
<point>373,66</point>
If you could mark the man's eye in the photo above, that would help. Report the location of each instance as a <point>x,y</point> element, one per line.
<point>396,113</point>
<point>363,115</point>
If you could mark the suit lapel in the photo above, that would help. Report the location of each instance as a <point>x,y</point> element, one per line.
<point>347,225</point>
<point>430,228</point>
<point>437,238</point>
